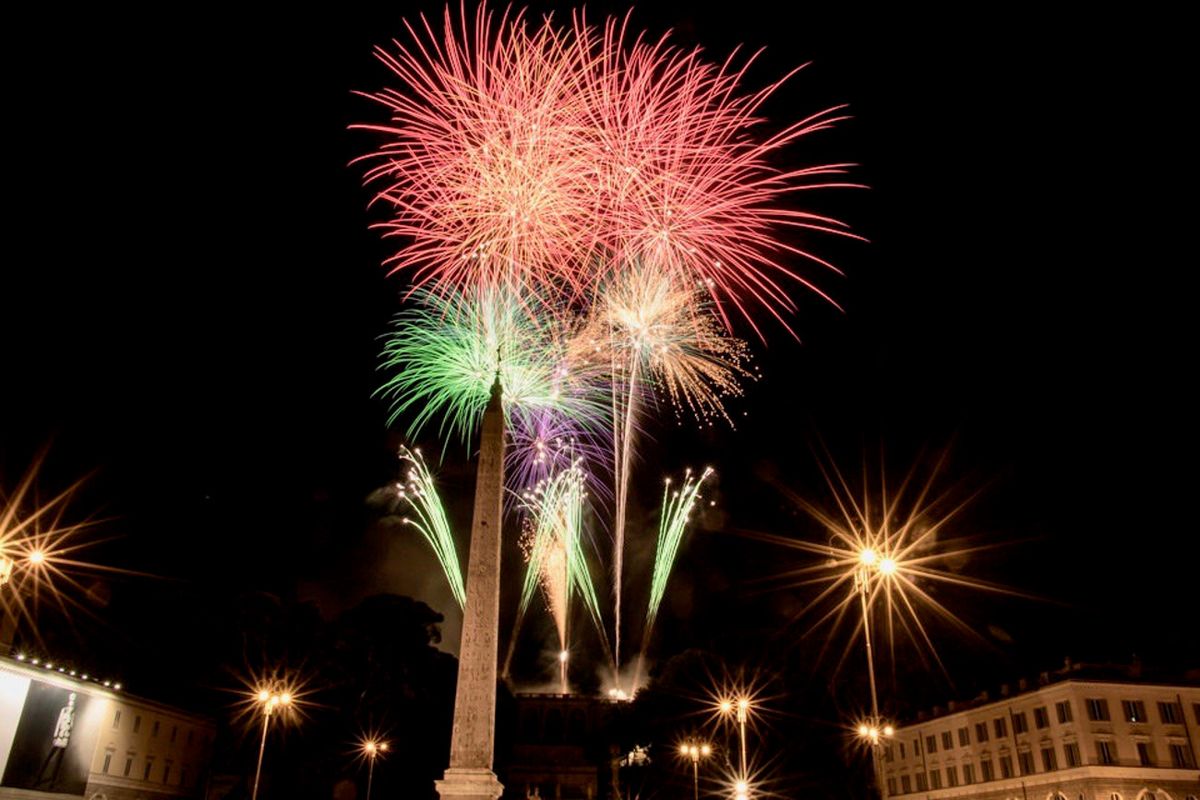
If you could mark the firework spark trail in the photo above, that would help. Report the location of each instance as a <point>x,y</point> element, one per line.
<point>444,352</point>
<point>420,493</point>
<point>664,343</point>
<point>555,557</point>
<point>673,520</point>
<point>677,506</point>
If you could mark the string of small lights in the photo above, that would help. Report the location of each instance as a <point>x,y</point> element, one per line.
<point>80,676</point>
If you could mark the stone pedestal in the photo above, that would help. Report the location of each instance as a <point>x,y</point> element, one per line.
<point>461,783</point>
<point>472,743</point>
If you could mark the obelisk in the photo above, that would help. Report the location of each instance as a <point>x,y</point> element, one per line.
<point>472,742</point>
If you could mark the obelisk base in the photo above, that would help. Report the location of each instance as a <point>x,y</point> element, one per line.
<point>468,784</point>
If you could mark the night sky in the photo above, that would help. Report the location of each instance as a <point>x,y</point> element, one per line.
<point>192,302</point>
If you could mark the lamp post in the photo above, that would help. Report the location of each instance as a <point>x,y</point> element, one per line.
<point>372,749</point>
<point>869,561</point>
<point>872,734</point>
<point>695,751</point>
<point>739,709</point>
<point>269,701</point>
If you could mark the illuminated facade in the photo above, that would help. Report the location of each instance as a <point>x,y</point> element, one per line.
<point>71,736</point>
<point>1070,740</point>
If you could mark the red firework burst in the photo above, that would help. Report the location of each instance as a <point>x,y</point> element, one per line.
<point>484,168</point>
<point>689,190</point>
<point>552,157</point>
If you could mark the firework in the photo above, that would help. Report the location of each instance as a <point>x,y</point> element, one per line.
<point>444,354</point>
<point>419,492</point>
<point>532,157</point>
<point>485,166</point>
<point>663,344</point>
<point>673,520</point>
<point>660,329</point>
<point>554,552</point>
<point>688,188</point>
<point>542,443</point>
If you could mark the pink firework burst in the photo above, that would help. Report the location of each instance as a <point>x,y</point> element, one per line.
<point>484,166</point>
<point>689,191</point>
<point>546,157</point>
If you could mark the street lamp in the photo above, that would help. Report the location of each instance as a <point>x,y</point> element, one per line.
<point>869,559</point>
<point>739,709</point>
<point>741,790</point>
<point>372,749</point>
<point>269,701</point>
<point>695,751</point>
<point>872,732</point>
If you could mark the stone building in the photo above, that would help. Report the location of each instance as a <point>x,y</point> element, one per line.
<point>1072,739</point>
<point>67,734</point>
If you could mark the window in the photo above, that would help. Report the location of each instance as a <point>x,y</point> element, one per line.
<point>905,784</point>
<point>935,779</point>
<point>985,769</point>
<point>1000,725</point>
<point>981,732</point>
<point>968,774</point>
<point>1025,762</point>
<point>128,764</point>
<point>931,744</point>
<point>154,730</point>
<point>1049,759</point>
<point>166,772</point>
<point>149,766</point>
<point>947,740</point>
<point>1133,710</point>
<point>917,746</point>
<point>1063,710</point>
<point>183,781</point>
<point>137,723</point>
<point>952,776</point>
<point>887,754</point>
<point>902,750</point>
<point>964,737</point>
<point>891,786</point>
<point>1006,770</point>
<point>1020,723</point>
<point>174,730</point>
<point>1196,712</point>
<point>1040,718</point>
<point>191,732</point>
<point>117,719</point>
<point>1097,709</point>
<point>1145,754</point>
<point>1181,756</point>
<point>922,782</point>
<point>1170,713</point>
<point>107,762</point>
<point>1071,751</point>
<point>1106,751</point>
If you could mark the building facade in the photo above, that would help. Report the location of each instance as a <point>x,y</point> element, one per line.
<point>1070,740</point>
<point>67,735</point>
<point>558,749</point>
